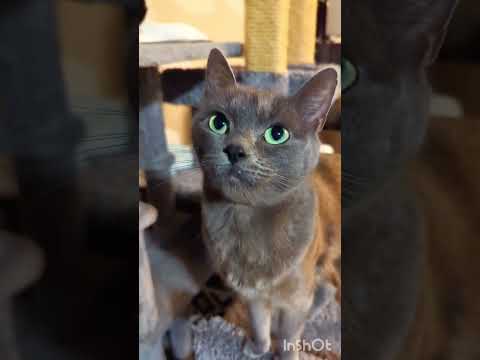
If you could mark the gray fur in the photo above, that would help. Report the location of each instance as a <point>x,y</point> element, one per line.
<point>383,122</point>
<point>266,81</point>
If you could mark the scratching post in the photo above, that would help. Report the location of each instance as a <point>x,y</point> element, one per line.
<point>266,35</point>
<point>302,32</point>
<point>266,40</point>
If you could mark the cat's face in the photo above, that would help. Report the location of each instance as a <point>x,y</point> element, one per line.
<point>386,93</point>
<point>255,146</point>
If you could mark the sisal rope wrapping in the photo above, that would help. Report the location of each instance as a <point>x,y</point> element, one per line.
<point>302,32</point>
<point>266,38</point>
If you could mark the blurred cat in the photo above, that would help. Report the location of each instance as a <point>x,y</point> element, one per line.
<point>384,117</point>
<point>446,176</point>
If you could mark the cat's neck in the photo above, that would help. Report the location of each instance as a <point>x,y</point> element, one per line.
<point>283,201</point>
<point>240,234</point>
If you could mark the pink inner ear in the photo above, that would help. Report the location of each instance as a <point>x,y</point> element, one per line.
<point>314,99</point>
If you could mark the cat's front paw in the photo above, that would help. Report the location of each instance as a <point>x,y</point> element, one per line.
<point>256,349</point>
<point>287,355</point>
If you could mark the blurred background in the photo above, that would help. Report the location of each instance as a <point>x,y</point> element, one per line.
<point>68,180</point>
<point>457,70</point>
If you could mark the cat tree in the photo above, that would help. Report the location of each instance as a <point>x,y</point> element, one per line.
<point>278,35</point>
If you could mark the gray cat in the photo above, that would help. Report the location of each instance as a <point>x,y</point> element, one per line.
<point>387,48</point>
<point>271,218</point>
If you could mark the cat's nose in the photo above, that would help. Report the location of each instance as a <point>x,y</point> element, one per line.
<point>235,153</point>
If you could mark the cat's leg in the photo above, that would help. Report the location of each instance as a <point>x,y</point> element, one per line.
<point>322,295</point>
<point>290,328</point>
<point>260,313</point>
<point>181,339</point>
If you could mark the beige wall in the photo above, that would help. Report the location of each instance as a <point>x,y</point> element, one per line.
<point>334,18</point>
<point>220,20</point>
<point>90,36</point>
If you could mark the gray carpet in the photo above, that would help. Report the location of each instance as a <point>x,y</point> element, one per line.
<point>215,339</point>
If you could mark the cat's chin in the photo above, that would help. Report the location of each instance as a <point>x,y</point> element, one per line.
<point>231,189</point>
<point>236,185</point>
<point>232,177</point>
<point>234,191</point>
<point>237,177</point>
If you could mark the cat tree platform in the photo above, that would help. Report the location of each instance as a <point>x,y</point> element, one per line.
<point>157,54</point>
<point>185,86</point>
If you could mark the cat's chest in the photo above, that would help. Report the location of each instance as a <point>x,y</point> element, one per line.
<point>253,250</point>
<point>383,249</point>
<point>231,230</point>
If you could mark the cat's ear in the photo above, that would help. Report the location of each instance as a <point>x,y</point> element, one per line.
<point>313,101</point>
<point>425,25</point>
<point>442,12</point>
<point>219,74</point>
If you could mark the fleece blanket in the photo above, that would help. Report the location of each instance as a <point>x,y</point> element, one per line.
<point>217,339</point>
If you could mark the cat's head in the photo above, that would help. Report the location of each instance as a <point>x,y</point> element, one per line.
<point>255,146</point>
<point>386,48</point>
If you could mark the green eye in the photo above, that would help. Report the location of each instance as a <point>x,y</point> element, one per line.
<point>218,123</point>
<point>349,74</point>
<point>276,135</point>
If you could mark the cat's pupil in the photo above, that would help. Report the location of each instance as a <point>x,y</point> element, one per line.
<point>219,121</point>
<point>277,132</point>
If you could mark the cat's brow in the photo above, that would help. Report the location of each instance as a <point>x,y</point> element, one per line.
<point>265,104</point>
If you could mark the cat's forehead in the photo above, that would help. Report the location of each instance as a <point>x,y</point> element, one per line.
<point>249,107</point>
<point>258,103</point>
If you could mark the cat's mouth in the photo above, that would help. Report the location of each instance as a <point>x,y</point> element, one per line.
<point>231,179</point>
<point>236,175</point>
